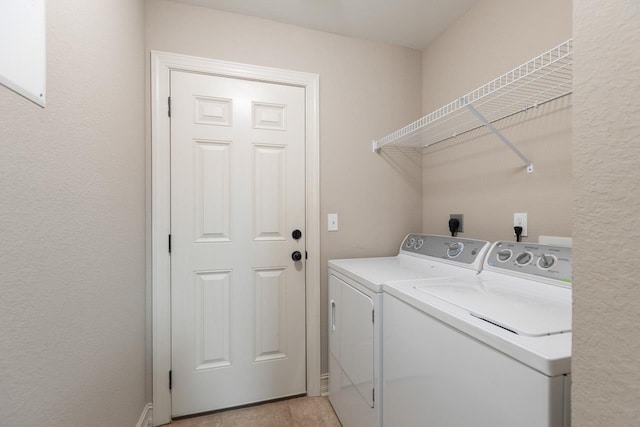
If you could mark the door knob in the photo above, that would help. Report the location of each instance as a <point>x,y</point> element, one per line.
<point>296,256</point>
<point>296,234</point>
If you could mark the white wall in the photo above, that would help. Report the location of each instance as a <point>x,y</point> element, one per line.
<point>606,208</point>
<point>72,278</point>
<point>72,214</point>
<point>476,174</point>
<point>366,90</point>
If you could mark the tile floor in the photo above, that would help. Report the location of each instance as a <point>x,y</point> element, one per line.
<point>297,412</point>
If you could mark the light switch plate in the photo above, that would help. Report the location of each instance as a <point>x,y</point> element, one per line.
<point>332,221</point>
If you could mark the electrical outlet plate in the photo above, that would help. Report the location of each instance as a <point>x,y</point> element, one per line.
<point>520,220</point>
<point>460,218</point>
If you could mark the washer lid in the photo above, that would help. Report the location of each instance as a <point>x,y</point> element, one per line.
<point>523,307</point>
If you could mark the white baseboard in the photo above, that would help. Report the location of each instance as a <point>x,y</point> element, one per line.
<point>324,385</point>
<point>146,418</point>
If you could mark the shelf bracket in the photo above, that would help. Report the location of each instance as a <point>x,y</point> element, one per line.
<point>499,134</point>
<point>374,146</point>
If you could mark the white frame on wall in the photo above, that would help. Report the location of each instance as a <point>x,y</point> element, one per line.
<point>162,64</point>
<point>23,63</point>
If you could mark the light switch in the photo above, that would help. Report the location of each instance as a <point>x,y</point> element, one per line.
<point>332,221</point>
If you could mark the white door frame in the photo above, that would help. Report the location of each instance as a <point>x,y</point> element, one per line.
<point>161,65</point>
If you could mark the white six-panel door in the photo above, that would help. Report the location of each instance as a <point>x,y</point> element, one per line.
<point>237,193</point>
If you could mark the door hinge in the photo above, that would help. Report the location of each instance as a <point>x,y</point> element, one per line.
<point>170,381</point>
<point>373,395</point>
<point>169,105</point>
<point>169,243</point>
<point>373,316</point>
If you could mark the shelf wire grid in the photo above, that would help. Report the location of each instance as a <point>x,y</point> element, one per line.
<point>542,79</point>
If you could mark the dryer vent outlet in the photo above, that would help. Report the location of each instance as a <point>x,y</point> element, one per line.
<point>460,218</point>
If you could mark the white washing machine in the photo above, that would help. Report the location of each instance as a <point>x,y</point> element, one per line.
<point>487,351</point>
<point>355,315</point>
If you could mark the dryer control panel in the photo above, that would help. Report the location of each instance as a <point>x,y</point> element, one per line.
<point>551,262</point>
<point>454,249</point>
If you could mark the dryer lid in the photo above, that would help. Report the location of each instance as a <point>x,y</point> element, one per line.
<point>523,307</point>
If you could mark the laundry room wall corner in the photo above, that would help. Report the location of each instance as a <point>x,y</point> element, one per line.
<point>475,173</point>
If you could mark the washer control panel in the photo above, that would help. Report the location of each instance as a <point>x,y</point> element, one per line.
<point>464,251</point>
<point>553,262</point>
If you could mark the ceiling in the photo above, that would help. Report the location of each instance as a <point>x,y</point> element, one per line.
<point>409,23</point>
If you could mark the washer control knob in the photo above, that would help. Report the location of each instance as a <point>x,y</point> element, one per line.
<point>410,242</point>
<point>419,244</point>
<point>524,258</point>
<point>455,249</point>
<point>546,261</point>
<point>504,255</point>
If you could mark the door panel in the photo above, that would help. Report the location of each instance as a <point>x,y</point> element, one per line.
<point>269,195</point>
<point>237,192</point>
<point>357,340</point>
<point>270,297</point>
<point>212,192</point>
<point>351,341</point>
<point>212,319</point>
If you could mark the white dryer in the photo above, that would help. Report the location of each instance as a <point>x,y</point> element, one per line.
<point>489,351</point>
<point>355,315</point>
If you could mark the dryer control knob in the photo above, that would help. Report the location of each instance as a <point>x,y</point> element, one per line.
<point>455,249</point>
<point>524,258</point>
<point>504,255</point>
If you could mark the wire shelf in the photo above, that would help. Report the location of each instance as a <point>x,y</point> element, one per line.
<point>540,80</point>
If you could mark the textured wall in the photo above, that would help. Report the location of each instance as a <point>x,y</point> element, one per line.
<point>476,174</point>
<point>366,90</point>
<point>606,160</point>
<point>72,225</point>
